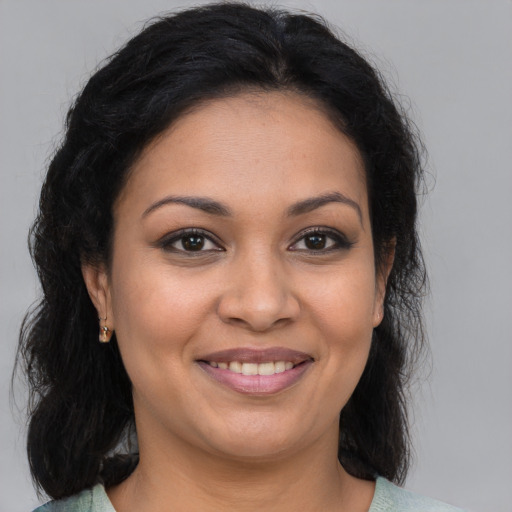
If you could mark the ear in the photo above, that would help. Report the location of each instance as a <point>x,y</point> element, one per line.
<point>381,280</point>
<point>97,283</point>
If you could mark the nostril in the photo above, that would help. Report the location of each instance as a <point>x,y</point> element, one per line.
<point>258,301</point>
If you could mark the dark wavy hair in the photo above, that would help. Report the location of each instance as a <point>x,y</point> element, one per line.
<point>81,410</point>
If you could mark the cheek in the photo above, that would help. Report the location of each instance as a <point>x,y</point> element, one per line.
<point>157,312</point>
<point>156,319</point>
<point>344,305</point>
<point>343,315</point>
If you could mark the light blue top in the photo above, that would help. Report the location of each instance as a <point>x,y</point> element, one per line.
<point>388,498</point>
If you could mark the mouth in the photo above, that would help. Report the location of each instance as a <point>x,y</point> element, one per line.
<point>257,372</point>
<point>268,368</point>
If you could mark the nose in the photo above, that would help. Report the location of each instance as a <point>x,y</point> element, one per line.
<point>258,295</point>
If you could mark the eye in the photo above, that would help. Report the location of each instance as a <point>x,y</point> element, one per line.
<point>320,240</point>
<point>189,240</point>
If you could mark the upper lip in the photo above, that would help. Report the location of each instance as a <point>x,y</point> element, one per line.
<point>250,355</point>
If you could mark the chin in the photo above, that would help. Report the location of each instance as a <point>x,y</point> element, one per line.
<point>260,438</point>
<point>255,449</point>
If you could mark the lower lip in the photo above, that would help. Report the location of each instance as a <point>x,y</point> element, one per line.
<point>257,384</point>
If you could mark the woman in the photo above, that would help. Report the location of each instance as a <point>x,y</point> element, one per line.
<point>233,208</point>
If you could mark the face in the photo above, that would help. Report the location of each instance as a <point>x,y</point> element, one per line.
<point>242,287</point>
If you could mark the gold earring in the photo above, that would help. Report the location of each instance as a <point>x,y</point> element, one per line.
<point>105,333</point>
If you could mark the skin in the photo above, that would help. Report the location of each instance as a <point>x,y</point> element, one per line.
<point>255,284</point>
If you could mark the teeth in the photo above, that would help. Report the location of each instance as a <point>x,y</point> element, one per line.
<point>235,366</point>
<point>267,368</point>
<point>279,366</point>
<point>250,369</point>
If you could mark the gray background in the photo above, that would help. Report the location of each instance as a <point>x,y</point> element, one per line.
<point>453,59</point>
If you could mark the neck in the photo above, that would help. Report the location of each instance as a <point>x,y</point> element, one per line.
<point>181,478</point>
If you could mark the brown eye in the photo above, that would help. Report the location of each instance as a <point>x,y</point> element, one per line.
<point>321,240</point>
<point>189,241</point>
<point>315,241</point>
<point>192,242</point>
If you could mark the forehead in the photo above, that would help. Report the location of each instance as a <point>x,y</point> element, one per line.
<point>277,144</point>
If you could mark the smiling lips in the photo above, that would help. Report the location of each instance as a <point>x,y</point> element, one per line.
<point>258,372</point>
<point>268,368</point>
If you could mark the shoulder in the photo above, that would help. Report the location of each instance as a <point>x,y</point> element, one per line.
<point>89,500</point>
<point>390,498</point>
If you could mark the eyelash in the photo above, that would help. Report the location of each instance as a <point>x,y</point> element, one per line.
<point>340,240</point>
<point>166,243</point>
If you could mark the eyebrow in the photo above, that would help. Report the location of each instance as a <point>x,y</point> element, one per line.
<point>201,203</point>
<point>213,207</point>
<point>310,204</point>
